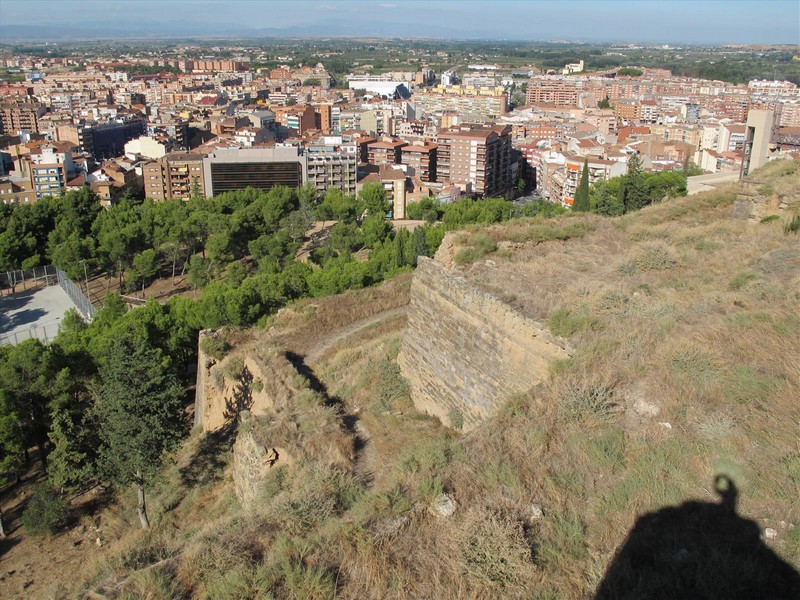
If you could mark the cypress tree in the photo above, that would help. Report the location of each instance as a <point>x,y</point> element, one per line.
<point>581,202</point>
<point>635,191</point>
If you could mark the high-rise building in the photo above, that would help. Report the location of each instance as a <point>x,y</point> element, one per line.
<point>476,155</point>
<point>421,158</point>
<point>557,91</point>
<point>20,117</point>
<point>487,101</point>
<point>332,163</point>
<point>108,140</point>
<point>228,169</point>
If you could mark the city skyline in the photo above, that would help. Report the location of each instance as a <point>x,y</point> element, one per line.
<point>678,22</point>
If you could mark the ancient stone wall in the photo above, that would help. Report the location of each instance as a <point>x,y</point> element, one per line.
<point>465,352</point>
<point>244,379</point>
<point>251,461</point>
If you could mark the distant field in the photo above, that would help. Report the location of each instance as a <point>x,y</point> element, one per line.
<point>34,313</point>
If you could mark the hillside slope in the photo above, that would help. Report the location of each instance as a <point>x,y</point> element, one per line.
<point>660,459</point>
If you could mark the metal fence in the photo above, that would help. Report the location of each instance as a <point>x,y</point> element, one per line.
<point>75,294</point>
<point>22,280</point>
<point>46,333</point>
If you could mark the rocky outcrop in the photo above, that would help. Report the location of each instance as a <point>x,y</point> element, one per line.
<point>465,352</point>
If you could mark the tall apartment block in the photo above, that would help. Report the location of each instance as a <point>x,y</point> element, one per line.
<point>556,91</point>
<point>490,101</point>
<point>175,175</point>
<point>20,117</point>
<point>476,155</point>
<point>108,140</point>
<point>422,159</point>
<point>758,135</point>
<point>332,163</point>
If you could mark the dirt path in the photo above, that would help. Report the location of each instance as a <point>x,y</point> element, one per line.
<point>323,344</point>
<point>367,458</point>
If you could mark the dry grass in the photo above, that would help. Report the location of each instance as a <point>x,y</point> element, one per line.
<point>678,309</point>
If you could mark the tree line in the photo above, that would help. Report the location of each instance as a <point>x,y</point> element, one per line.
<point>632,191</point>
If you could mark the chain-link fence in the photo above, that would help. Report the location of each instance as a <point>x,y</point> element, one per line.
<point>22,280</point>
<point>75,294</point>
<point>46,333</point>
<point>29,280</point>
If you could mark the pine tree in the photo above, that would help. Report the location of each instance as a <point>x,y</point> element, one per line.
<point>581,202</point>
<point>139,407</point>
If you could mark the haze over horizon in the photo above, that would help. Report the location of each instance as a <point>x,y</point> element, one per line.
<point>675,22</point>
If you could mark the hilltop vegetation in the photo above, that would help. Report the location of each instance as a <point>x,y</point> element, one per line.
<point>684,323</point>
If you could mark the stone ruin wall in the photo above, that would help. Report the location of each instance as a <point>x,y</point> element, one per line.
<point>465,353</point>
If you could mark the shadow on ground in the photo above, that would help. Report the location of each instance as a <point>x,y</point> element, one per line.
<point>698,550</point>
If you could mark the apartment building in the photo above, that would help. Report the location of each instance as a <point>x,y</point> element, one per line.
<point>51,168</point>
<point>556,91</point>
<point>626,110</point>
<point>421,160</point>
<point>598,169</point>
<point>107,140</point>
<point>294,120</point>
<point>487,101</point>
<point>15,191</point>
<point>385,151</point>
<point>20,117</point>
<point>226,66</point>
<point>176,175</point>
<point>476,156</point>
<point>394,182</point>
<point>332,162</point>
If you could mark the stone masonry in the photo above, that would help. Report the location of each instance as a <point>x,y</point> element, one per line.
<point>465,352</point>
<point>251,461</point>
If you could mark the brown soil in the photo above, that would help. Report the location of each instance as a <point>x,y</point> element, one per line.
<point>29,566</point>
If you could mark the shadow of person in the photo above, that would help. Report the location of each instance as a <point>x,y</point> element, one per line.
<point>698,550</point>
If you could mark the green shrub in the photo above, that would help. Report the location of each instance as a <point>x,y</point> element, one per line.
<point>152,583</point>
<point>46,512</point>
<point>234,368</point>
<point>563,541</point>
<point>467,255</point>
<point>214,347</point>
<point>429,488</point>
<point>693,363</point>
<point>478,245</point>
<point>456,418</point>
<point>770,219</point>
<point>655,258</point>
<point>740,280</point>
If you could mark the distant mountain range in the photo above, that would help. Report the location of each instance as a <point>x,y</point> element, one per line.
<point>93,30</point>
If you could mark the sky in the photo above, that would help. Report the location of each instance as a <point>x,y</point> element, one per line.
<point>663,21</point>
